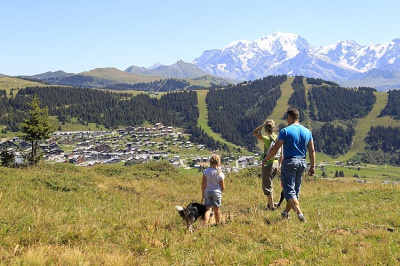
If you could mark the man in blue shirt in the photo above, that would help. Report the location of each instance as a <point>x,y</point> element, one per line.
<point>296,140</point>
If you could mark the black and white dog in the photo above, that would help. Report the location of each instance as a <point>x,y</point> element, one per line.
<point>191,213</point>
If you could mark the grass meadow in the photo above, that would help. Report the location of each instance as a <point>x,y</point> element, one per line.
<point>61,214</point>
<point>8,83</point>
<point>203,119</point>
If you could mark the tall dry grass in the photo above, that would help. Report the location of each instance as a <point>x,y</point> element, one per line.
<point>114,215</point>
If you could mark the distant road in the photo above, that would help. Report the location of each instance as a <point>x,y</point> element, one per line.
<point>182,164</point>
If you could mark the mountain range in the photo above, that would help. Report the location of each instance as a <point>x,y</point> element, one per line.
<point>112,78</point>
<point>345,62</point>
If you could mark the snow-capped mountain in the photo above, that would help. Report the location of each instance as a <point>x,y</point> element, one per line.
<point>155,65</point>
<point>288,53</point>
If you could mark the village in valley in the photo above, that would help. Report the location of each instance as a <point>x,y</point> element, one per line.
<point>131,145</point>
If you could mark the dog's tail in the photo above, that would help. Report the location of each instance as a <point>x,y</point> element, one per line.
<point>181,211</point>
<point>179,208</point>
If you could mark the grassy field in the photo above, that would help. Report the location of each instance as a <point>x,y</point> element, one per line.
<point>366,172</point>
<point>73,125</point>
<point>113,215</point>
<point>282,103</point>
<point>8,83</point>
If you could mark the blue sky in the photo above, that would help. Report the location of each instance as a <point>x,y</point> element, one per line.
<point>79,35</point>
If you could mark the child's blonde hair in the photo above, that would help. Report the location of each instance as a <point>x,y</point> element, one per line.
<point>215,160</point>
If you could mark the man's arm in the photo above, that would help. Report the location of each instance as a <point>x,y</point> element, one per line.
<point>311,154</point>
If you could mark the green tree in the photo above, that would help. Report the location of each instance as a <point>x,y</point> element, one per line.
<point>36,128</point>
<point>7,158</point>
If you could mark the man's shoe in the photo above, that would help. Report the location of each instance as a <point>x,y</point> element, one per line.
<point>301,218</point>
<point>285,215</point>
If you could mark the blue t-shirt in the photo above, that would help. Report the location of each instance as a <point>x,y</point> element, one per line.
<point>295,140</point>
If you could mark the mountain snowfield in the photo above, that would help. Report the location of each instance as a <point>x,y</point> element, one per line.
<point>288,53</point>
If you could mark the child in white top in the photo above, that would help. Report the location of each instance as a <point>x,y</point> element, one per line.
<point>212,187</point>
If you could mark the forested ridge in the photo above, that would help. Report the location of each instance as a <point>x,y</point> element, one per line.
<point>333,140</point>
<point>298,99</point>
<point>392,107</point>
<point>109,109</point>
<point>333,103</point>
<point>83,81</point>
<point>383,146</point>
<point>337,103</point>
<point>233,112</point>
<point>165,85</point>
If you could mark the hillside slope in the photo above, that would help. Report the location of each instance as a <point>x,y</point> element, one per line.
<point>180,69</point>
<point>8,83</point>
<point>203,120</point>
<point>364,125</point>
<point>119,76</point>
<point>237,110</point>
<point>282,104</point>
<point>361,125</point>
